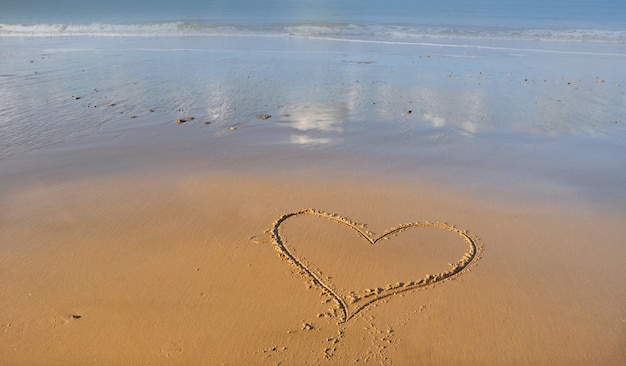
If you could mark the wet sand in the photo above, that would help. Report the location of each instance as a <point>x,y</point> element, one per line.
<point>319,208</point>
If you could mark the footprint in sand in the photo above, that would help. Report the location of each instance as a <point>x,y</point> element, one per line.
<point>171,349</point>
<point>52,322</point>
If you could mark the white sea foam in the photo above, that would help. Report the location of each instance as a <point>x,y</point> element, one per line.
<point>317,30</point>
<point>111,30</point>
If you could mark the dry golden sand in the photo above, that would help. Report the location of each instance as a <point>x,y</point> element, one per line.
<point>132,270</point>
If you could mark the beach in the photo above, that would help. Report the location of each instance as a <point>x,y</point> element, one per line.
<point>255,199</point>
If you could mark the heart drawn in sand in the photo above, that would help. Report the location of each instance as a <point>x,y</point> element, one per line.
<point>350,304</point>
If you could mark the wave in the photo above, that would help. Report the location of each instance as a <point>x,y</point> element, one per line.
<point>418,33</point>
<point>316,30</point>
<point>111,30</point>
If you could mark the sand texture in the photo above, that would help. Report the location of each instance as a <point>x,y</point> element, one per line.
<point>226,269</point>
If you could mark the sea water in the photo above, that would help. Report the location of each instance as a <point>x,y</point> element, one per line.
<point>515,91</point>
<point>603,20</point>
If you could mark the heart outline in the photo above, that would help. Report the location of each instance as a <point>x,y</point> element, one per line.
<point>469,257</point>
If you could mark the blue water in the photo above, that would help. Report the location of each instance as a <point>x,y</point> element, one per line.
<point>597,20</point>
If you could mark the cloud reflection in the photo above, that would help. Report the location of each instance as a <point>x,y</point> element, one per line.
<point>317,124</point>
<point>307,140</point>
<point>436,121</point>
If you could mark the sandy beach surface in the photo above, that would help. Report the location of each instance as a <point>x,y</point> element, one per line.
<point>312,203</point>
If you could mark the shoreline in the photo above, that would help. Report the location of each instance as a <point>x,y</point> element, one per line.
<point>538,123</point>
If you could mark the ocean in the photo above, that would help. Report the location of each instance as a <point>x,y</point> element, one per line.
<point>580,20</point>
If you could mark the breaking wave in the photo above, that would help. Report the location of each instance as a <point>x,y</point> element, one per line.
<point>315,30</point>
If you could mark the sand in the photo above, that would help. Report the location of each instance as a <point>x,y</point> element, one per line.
<point>126,270</point>
<point>353,220</point>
